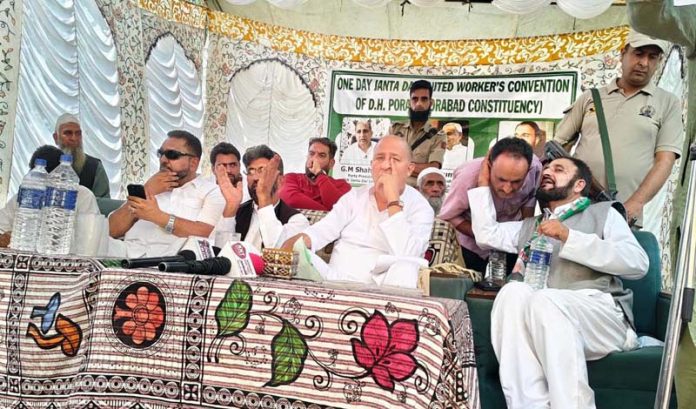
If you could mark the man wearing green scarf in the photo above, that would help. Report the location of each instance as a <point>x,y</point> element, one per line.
<point>543,338</point>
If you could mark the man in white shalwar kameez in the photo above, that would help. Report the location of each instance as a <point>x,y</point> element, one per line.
<point>543,338</point>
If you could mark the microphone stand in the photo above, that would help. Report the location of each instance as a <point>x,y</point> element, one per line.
<point>681,307</point>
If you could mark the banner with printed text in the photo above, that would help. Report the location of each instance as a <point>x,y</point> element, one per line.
<point>472,111</point>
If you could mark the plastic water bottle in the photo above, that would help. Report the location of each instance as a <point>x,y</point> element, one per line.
<point>57,226</point>
<point>537,270</point>
<point>497,263</point>
<point>30,201</point>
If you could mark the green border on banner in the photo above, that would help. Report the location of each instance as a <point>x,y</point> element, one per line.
<point>481,129</point>
<point>335,120</point>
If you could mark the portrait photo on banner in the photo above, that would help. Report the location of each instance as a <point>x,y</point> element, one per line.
<point>356,143</point>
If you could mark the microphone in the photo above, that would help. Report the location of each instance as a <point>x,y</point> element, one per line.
<point>258,262</point>
<point>213,266</point>
<point>183,255</point>
<point>239,253</point>
<point>200,246</point>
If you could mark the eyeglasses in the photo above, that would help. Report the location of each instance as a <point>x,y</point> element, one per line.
<point>254,171</point>
<point>172,154</point>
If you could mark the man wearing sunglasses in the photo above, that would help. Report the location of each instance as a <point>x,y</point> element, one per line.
<point>265,220</point>
<point>179,203</point>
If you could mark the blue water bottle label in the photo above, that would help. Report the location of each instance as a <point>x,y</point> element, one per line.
<point>29,198</point>
<point>540,257</point>
<point>64,199</point>
<point>69,199</point>
<point>50,196</point>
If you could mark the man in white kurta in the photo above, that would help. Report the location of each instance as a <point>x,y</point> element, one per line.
<point>456,153</point>
<point>178,204</point>
<point>362,150</point>
<point>543,338</point>
<point>382,230</point>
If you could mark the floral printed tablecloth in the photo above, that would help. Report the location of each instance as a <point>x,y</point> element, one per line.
<point>77,335</point>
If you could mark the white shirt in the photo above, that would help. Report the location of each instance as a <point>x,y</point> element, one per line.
<point>618,253</point>
<point>353,154</point>
<point>364,233</point>
<point>199,200</point>
<point>458,155</point>
<point>265,230</point>
<point>86,204</point>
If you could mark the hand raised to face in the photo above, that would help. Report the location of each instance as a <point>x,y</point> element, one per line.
<point>232,193</point>
<point>387,186</point>
<point>314,167</point>
<point>162,181</point>
<point>267,180</point>
<point>484,178</point>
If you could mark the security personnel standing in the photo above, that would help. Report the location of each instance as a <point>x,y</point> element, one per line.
<point>427,145</point>
<point>643,122</point>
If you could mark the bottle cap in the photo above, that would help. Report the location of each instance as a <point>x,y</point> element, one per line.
<point>66,158</point>
<point>40,162</point>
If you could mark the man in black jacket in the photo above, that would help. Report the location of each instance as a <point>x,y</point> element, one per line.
<point>265,220</point>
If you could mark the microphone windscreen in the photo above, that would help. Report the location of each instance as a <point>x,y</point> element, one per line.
<point>222,266</point>
<point>187,254</point>
<point>258,263</point>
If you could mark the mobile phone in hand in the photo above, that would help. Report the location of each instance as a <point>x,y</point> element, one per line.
<point>136,190</point>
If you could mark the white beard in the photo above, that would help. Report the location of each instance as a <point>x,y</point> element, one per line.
<point>436,203</point>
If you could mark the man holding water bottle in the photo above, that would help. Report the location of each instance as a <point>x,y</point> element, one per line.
<point>542,338</point>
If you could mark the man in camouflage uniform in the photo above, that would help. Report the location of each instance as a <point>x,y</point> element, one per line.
<point>427,145</point>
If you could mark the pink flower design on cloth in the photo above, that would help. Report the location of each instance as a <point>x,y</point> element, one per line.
<point>385,351</point>
<point>143,317</point>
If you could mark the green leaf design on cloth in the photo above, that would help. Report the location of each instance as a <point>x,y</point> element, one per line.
<point>232,315</point>
<point>289,351</point>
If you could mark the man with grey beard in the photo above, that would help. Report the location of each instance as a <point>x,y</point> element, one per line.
<point>432,184</point>
<point>68,137</point>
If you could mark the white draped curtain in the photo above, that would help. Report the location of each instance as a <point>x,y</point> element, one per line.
<point>67,64</point>
<point>174,96</point>
<point>576,8</point>
<point>270,104</point>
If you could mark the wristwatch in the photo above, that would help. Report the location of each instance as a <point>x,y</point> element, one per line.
<point>399,203</point>
<point>169,228</point>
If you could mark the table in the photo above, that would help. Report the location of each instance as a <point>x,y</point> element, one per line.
<point>479,293</point>
<point>78,334</point>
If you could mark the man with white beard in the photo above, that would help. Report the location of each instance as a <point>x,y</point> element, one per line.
<point>432,184</point>
<point>68,137</point>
